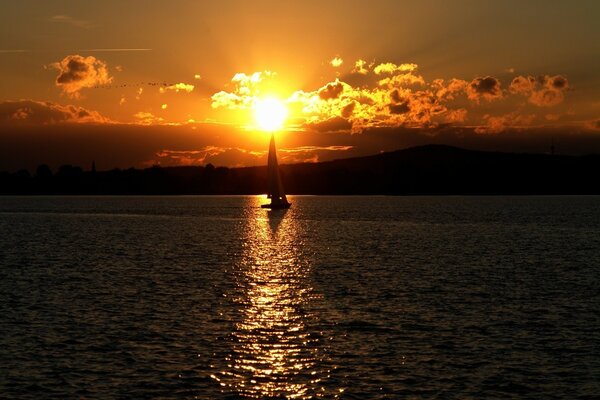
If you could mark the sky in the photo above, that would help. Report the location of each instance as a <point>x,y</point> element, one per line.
<point>142,83</point>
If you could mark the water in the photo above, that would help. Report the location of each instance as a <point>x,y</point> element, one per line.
<point>338,297</point>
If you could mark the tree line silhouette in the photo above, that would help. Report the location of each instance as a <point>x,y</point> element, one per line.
<point>432,169</point>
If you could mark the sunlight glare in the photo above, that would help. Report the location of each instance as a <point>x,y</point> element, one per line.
<point>270,114</point>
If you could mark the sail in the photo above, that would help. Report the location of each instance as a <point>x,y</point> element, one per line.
<point>275,187</point>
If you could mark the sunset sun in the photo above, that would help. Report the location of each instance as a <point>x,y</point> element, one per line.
<point>270,114</point>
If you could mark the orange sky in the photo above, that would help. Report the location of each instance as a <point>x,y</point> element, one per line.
<point>148,82</point>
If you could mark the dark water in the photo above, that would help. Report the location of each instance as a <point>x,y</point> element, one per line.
<point>339,297</point>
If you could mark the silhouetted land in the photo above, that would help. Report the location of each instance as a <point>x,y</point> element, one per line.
<point>431,169</point>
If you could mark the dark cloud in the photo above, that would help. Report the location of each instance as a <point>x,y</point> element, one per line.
<point>558,82</point>
<point>400,108</point>
<point>399,105</point>
<point>331,91</point>
<point>348,110</point>
<point>77,72</point>
<point>32,112</point>
<point>335,124</point>
<point>395,96</point>
<point>487,88</point>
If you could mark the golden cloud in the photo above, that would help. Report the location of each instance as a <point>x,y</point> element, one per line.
<point>336,62</point>
<point>361,67</point>
<point>544,91</point>
<point>178,87</point>
<point>391,68</point>
<point>77,72</point>
<point>246,89</point>
<point>450,90</point>
<point>392,95</point>
<point>456,116</point>
<point>147,118</point>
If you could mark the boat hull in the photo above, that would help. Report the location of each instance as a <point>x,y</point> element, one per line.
<point>276,206</point>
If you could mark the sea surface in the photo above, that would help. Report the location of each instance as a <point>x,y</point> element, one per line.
<point>337,297</point>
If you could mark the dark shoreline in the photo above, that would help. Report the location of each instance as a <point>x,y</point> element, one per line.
<point>425,170</point>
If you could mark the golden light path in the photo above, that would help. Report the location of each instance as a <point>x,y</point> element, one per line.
<point>275,351</point>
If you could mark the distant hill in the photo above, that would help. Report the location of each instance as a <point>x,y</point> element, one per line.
<point>431,169</point>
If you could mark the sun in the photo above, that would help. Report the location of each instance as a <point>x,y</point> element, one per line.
<point>270,114</point>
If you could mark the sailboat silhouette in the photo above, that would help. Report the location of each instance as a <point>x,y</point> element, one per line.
<point>275,190</point>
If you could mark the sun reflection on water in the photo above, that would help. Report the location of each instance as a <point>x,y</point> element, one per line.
<point>275,349</point>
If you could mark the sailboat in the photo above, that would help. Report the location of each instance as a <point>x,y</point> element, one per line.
<point>275,187</point>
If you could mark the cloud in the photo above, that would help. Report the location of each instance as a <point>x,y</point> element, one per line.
<point>336,62</point>
<point>363,107</point>
<point>77,72</point>
<point>178,87</point>
<point>546,97</point>
<point>391,68</point>
<point>361,67</point>
<point>450,90</point>
<point>216,155</point>
<point>522,85</point>
<point>335,124</point>
<point>399,104</point>
<point>147,118</point>
<point>456,116</point>
<point>497,124</point>
<point>487,88</point>
<point>551,92</point>
<point>245,92</point>
<point>348,109</point>
<point>237,157</point>
<point>332,90</point>
<point>30,112</point>
<point>385,94</point>
<point>187,157</point>
<point>543,91</point>
<point>309,154</point>
<point>556,82</point>
<point>247,83</point>
<point>402,80</point>
<point>65,19</point>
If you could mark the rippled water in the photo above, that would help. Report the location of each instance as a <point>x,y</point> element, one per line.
<point>337,297</point>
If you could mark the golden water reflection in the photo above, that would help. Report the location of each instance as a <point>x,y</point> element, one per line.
<point>275,349</point>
